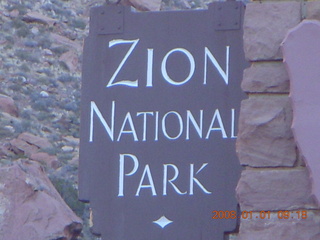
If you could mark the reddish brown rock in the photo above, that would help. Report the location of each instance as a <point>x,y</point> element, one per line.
<point>31,208</point>
<point>38,18</point>
<point>265,77</point>
<point>35,140</point>
<point>312,10</point>
<point>30,145</point>
<point>71,141</point>
<point>66,41</point>
<point>7,105</point>
<point>285,229</point>
<point>146,5</point>
<point>46,159</point>
<point>74,161</point>
<point>301,49</point>
<point>275,190</point>
<point>265,26</point>
<point>265,138</point>
<point>3,150</point>
<point>20,147</point>
<point>14,13</point>
<point>70,58</point>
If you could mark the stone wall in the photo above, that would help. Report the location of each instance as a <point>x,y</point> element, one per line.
<point>275,177</point>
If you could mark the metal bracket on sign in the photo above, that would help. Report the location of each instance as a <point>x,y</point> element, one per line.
<point>227,15</point>
<point>109,19</point>
<point>303,10</point>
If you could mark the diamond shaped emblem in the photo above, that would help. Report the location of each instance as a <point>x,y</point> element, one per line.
<point>163,222</point>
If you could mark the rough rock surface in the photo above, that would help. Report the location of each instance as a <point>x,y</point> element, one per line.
<point>70,58</point>
<point>46,159</point>
<point>265,138</point>
<point>31,208</point>
<point>39,18</point>
<point>284,229</point>
<point>66,41</point>
<point>264,77</point>
<point>20,147</point>
<point>7,105</point>
<point>313,10</point>
<point>262,38</point>
<point>275,190</point>
<point>35,140</point>
<point>301,49</point>
<point>28,144</point>
<point>265,142</point>
<point>146,5</point>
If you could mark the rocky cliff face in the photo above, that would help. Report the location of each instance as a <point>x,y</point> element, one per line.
<point>40,69</point>
<point>31,208</point>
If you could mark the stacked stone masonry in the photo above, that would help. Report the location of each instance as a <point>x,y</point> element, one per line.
<point>275,179</point>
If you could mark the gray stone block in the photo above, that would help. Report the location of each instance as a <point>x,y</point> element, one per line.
<point>282,189</point>
<point>313,10</point>
<point>266,25</point>
<point>284,229</point>
<point>265,138</point>
<point>264,77</point>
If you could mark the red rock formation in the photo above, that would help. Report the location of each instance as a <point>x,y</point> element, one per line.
<point>31,208</point>
<point>7,105</point>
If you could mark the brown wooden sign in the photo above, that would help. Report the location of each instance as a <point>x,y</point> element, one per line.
<point>160,102</point>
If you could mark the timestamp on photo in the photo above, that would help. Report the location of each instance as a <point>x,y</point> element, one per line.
<point>297,214</point>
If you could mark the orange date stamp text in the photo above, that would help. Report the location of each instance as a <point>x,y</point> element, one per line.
<point>297,214</point>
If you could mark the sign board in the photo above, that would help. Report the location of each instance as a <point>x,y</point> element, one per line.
<point>160,102</point>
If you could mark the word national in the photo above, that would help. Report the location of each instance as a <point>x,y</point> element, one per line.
<point>155,124</point>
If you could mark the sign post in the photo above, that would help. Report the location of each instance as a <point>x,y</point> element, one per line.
<point>160,102</point>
